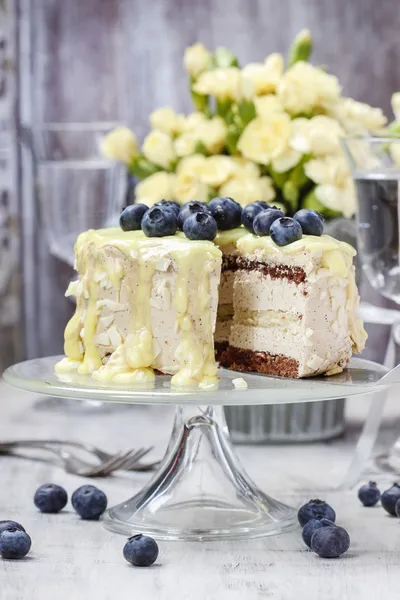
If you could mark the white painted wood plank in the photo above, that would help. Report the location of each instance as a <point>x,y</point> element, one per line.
<point>75,559</point>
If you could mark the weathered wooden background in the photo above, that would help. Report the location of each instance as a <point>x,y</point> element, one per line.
<point>97,60</point>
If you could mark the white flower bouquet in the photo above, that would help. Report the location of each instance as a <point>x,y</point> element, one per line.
<point>262,132</point>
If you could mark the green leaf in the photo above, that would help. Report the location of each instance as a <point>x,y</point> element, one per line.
<point>224,58</point>
<point>142,168</point>
<point>224,107</point>
<point>232,139</point>
<point>394,129</point>
<point>298,175</point>
<point>247,111</point>
<point>279,178</point>
<point>201,102</point>
<point>200,148</point>
<point>291,194</point>
<point>312,203</point>
<point>212,193</point>
<point>301,47</point>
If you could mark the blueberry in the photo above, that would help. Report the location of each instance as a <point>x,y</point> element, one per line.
<point>263,204</point>
<point>14,543</point>
<point>390,497</point>
<point>312,223</point>
<point>315,509</point>
<point>175,206</point>
<point>330,542</point>
<point>397,508</point>
<point>226,212</point>
<point>311,526</point>
<point>284,231</point>
<point>131,217</point>
<point>369,494</point>
<point>89,502</point>
<point>50,498</point>
<point>188,209</point>
<point>263,221</point>
<point>159,222</point>
<point>6,524</point>
<point>200,226</point>
<point>249,213</point>
<point>141,550</point>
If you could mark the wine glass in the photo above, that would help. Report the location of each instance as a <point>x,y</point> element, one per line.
<point>375,167</point>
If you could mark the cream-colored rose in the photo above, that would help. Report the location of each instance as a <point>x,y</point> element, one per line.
<point>358,117</point>
<point>217,169</point>
<point>265,76</point>
<point>185,145</point>
<point>335,188</point>
<point>396,105</point>
<point>266,105</point>
<point>166,120</point>
<point>395,153</point>
<point>304,87</point>
<point>196,59</point>
<point>245,190</point>
<point>245,168</point>
<point>212,133</point>
<point>267,141</point>
<point>158,148</point>
<point>120,144</point>
<point>193,121</point>
<point>191,165</point>
<point>157,187</point>
<point>190,187</point>
<point>222,83</point>
<point>319,136</point>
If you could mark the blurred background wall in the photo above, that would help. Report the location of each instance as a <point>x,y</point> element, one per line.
<point>102,60</point>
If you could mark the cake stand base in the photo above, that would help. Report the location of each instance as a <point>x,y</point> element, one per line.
<point>200,491</point>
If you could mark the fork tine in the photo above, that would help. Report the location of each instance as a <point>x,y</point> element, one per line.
<point>116,462</point>
<point>107,466</point>
<point>136,458</point>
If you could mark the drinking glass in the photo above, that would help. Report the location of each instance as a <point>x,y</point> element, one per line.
<point>375,167</point>
<point>77,188</point>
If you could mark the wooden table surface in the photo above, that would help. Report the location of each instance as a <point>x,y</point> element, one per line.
<point>73,559</point>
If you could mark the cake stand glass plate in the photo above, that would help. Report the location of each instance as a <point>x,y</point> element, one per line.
<point>201,491</point>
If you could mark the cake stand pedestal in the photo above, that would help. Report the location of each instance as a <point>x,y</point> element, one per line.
<point>201,491</point>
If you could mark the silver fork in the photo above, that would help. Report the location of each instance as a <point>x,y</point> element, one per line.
<point>89,448</point>
<point>78,466</point>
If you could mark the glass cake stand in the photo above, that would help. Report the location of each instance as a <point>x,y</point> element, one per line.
<point>201,491</point>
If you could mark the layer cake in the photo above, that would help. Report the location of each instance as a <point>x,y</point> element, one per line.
<point>295,307</point>
<point>143,304</point>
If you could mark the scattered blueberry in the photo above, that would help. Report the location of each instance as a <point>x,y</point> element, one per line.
<point>263,221</point>
<point>200,226</point>
<point>311,526</point>
<point>249,213</point>
<point>159,222</point>
<point>397,508</point>
<point>175,206</point>
<point>14,543</point>
<point>89,502</point>
<point>6,524</point>
<point>141,550</point>
<point>226,212</point>
<point>390,497</point>
<point>369,494</point>
<point>315,509</point>
<point>131,217</point>
<point>50,498</point>
<point>330,542</point>
<point>312,223</point>
<point>284,231</point>
<point>188,209</point>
